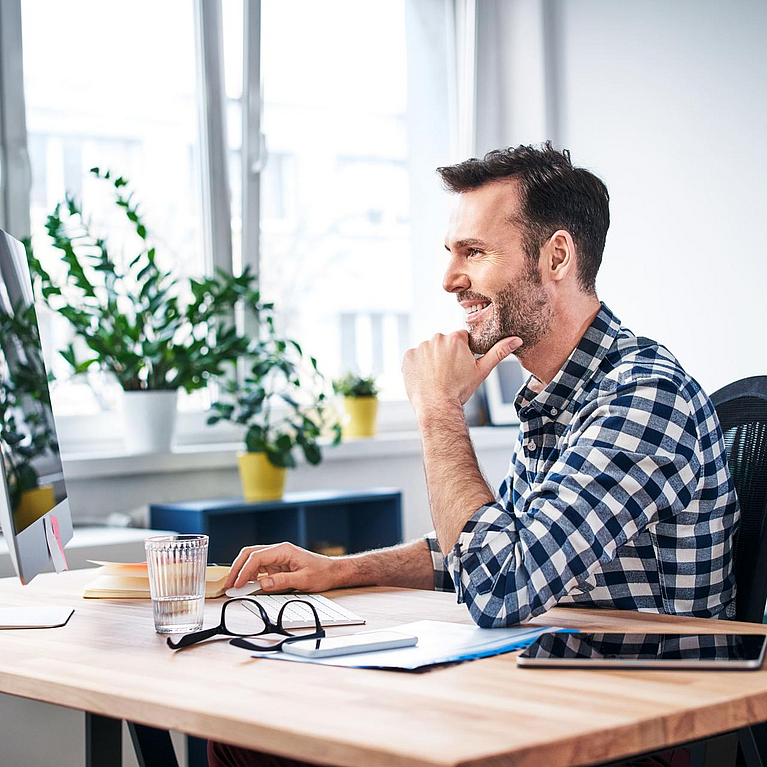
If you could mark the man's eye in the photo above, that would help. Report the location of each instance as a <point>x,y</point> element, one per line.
<point>471,252</point>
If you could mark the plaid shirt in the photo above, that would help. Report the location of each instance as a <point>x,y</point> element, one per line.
<point>618,494</point>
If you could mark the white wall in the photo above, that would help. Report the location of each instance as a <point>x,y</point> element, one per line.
<point>665,101</point>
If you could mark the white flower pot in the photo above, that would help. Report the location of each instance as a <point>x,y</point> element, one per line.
<point>148,420</point>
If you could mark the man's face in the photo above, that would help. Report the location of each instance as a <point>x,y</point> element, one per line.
<point>493,278</point>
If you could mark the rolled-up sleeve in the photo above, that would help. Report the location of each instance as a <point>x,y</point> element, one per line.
<point>443,580</point>
<point>634,459</point>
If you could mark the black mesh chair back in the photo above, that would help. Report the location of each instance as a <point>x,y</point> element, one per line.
<point>742,411</point>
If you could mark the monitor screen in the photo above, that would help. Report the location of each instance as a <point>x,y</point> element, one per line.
<point>32,479</point>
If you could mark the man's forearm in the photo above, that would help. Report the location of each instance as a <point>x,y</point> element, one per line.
<point>408,565</point>
<point>455,483</point>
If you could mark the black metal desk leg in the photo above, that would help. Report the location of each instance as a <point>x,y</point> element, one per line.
<point>753,744</point>
<point>103,741</point>
<point>196,751</point>
<point>153,747</point>
<point>698,754</point>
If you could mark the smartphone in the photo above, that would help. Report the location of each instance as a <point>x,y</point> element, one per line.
<point>365,641</point>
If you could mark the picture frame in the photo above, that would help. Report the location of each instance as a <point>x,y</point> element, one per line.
<point>501,388</point>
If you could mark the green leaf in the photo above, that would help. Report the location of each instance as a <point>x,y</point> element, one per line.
<point>69,355</point>
<point>254,440</point>
<point>82,367</point>
<point>312,452</point>
<point>279,459</point>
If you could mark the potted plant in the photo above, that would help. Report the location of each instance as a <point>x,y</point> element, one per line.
<point>26,435</point>
<point>281,405</point>
<point>155,333</point>
<point>360,403</point>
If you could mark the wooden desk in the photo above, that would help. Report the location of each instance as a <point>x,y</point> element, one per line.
<point>108,660</point>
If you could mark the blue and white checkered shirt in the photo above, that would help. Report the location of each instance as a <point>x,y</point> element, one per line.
<point>618,494</point>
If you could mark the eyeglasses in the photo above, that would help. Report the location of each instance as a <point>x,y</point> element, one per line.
<point>243,618</point>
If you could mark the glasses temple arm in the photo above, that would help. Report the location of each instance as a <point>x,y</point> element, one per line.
<point>194,637</point>
<point>243,644</point>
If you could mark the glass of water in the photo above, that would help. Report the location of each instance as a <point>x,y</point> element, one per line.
<point>176,565</point>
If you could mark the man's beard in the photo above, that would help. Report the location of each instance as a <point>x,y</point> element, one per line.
<point>520,309</point>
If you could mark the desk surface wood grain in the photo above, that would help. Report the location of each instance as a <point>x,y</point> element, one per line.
<point>108,660</point>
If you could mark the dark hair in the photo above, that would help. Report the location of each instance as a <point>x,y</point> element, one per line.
<point>553,195</point>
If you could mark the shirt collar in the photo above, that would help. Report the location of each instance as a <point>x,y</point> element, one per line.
<point>579,368</point>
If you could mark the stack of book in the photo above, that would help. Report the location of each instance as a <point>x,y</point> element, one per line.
<point>130,580</point>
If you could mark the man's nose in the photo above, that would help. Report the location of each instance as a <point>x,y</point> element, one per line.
<point>455,280</point>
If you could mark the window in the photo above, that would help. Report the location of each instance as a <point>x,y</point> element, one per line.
<point>354,114</point>
<point>124,99</point>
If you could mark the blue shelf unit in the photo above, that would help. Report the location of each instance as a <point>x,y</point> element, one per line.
<point>356,520</point>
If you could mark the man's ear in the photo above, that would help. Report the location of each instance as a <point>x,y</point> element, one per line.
<point>559,255</point>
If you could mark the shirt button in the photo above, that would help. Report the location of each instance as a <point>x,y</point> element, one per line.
<point>554,411</point>
<point>531,445</point>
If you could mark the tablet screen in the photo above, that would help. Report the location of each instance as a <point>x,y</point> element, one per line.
<point>644,649</point>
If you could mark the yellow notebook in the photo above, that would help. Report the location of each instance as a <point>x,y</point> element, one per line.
<point>129,580</point>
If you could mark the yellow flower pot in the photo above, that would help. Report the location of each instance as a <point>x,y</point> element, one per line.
<point>32,505</point>
<point>261,481</point>
<point>362,413</point>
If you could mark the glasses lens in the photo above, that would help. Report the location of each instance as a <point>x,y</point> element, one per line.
<point>299,614</point>
<point>243,619</point>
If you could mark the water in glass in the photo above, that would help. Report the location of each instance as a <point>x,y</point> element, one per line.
<point>176,566</point>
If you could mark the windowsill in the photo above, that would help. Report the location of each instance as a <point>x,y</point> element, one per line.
<point>81,466</point>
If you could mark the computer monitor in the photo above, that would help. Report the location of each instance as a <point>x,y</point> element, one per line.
<point>34,510</point>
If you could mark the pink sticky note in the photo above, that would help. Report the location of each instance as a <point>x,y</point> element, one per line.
<point>55,546</point>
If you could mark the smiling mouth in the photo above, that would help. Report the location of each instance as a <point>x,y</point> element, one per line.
<point>475,310</point>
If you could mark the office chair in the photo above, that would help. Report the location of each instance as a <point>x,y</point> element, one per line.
<point>742,411</point>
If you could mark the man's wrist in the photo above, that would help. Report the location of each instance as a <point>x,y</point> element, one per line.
<point>346,572</point>
<point>433,412</point>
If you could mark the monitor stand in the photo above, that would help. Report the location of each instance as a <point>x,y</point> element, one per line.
<point>50,617</point>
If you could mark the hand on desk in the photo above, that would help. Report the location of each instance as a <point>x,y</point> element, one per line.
<point>287,566</point>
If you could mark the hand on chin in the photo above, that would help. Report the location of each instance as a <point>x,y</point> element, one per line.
<point>443,371</point>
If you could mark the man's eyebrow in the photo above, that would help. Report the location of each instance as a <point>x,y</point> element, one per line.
<point>469,242</point>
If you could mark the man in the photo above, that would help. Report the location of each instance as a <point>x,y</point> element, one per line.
<point>619,494</point>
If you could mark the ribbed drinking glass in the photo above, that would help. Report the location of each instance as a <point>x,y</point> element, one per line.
<point>176,565</point>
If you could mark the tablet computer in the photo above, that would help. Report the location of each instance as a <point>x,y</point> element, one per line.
<point>691,651</point>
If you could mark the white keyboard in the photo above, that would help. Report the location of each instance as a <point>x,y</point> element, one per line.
<point>299,616</point>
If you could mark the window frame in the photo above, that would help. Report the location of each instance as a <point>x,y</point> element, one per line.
<point>211,110</point>
<point>15,170</point>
